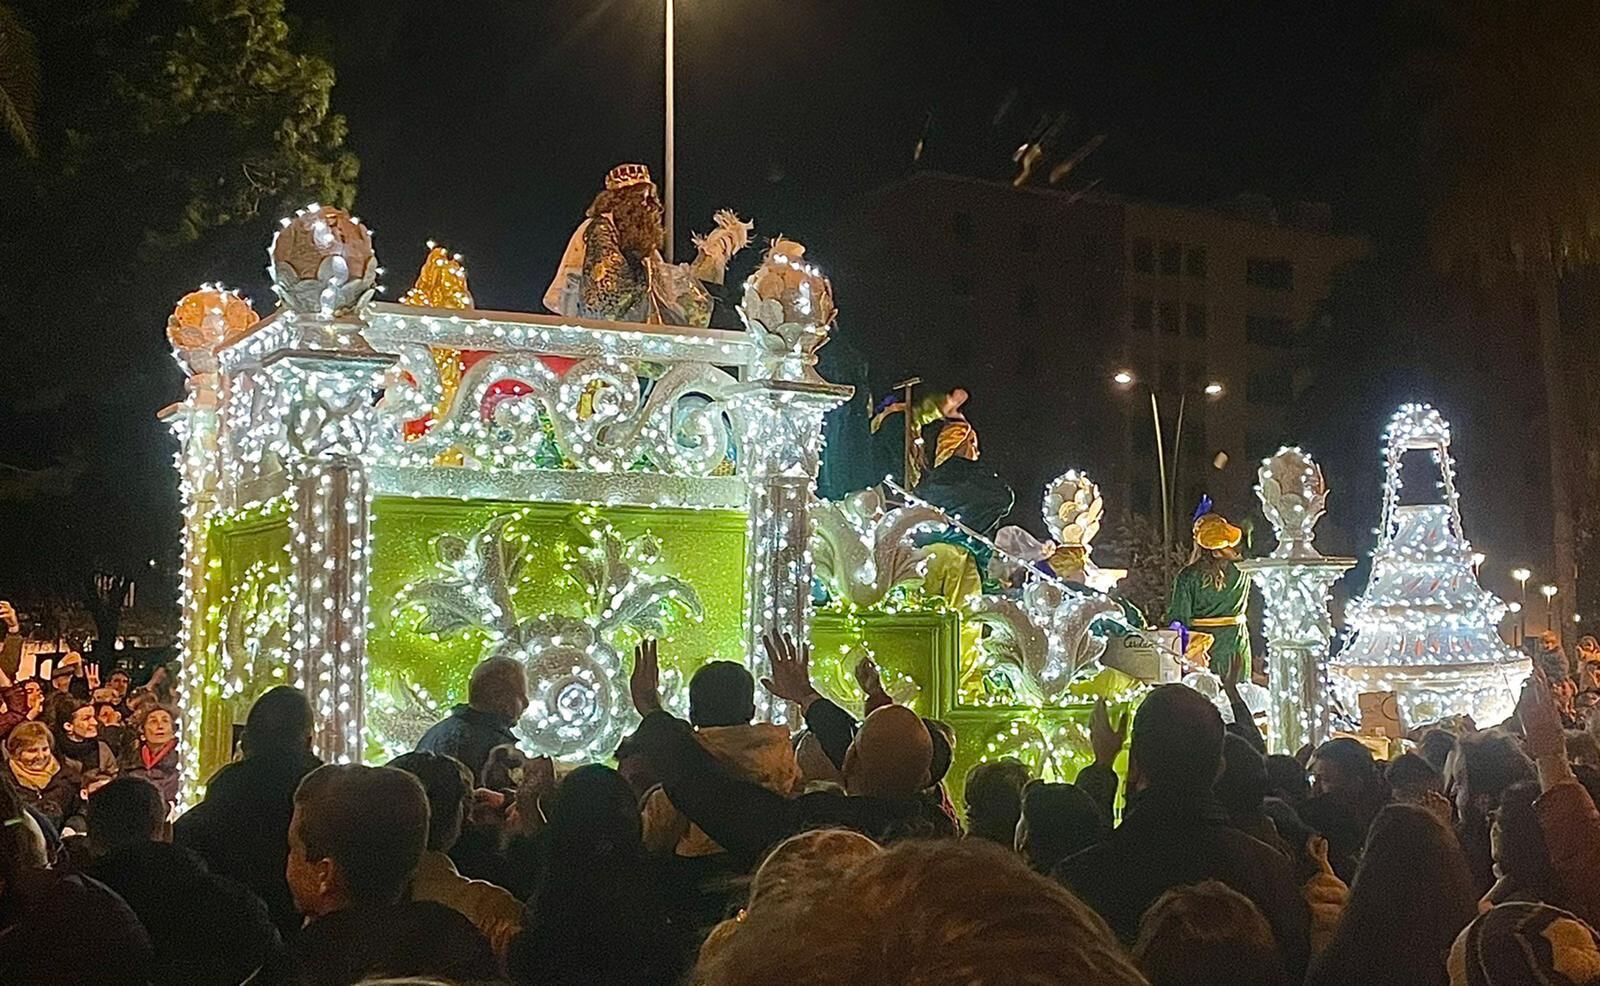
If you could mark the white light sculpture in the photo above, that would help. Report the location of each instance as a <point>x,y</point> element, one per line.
<point>1425,628</point>
<point>1295,582</point>
<point>302,417</point>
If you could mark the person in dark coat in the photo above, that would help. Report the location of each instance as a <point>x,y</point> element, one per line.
<point>886,770</point>
<point>155,756</point>
<point>41,909</point>
<point>78,740</point>
<point>497,695</point>
<point>1174,833</point>
<point>597,875</point>
<point>204,928</point>
<point>355,839</point>
<point>241,829</point>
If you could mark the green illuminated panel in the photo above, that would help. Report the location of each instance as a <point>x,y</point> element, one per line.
<point>706,548</point>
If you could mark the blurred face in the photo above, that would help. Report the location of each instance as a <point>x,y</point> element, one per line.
<point>158,728</point>
<point>83,725</point>
<point>109,716</point>
<point>34,756</point>
<point>61,681</point>
<point>1326,777</point>
<point>119,684</point>
<point>35,696</point>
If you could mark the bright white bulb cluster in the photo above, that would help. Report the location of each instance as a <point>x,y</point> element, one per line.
<point>1425,628</point>
<point>321,405</point>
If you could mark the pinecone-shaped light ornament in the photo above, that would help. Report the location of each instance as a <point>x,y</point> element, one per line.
<point>323,263</point>
<point>788,312</point>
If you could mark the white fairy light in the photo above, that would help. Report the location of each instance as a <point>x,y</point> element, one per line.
<point>1425,628</point>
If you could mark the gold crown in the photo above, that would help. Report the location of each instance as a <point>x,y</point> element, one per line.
<point>624,175</point>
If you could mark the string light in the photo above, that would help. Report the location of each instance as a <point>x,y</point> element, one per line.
<point>1425,628</point>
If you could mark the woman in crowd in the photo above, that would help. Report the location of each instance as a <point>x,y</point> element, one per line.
<point>1412,895</point>
<point>1207,935</point>
<point>155,758</point>
<point>37,775</point>
<point>78,740</point>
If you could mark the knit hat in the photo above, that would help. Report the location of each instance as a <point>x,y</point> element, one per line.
<point>1525,944</point>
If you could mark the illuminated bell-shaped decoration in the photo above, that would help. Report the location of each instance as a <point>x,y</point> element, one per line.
<point>323,263</point>
<point>203,321</point>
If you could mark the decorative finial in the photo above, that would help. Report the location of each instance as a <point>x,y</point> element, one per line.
<point>323,263</point>
<point>1294,497</point>
<point>203,321</point>
<point>788,312</point>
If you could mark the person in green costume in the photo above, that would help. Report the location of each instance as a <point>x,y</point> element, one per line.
<point>1209,596</point>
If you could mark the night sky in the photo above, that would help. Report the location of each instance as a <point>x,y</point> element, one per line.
<point>488,126</point>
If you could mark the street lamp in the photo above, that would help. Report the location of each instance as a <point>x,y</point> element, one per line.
<point>1522,575</point>
<point>1169,482</point>
<point>1549,592</point>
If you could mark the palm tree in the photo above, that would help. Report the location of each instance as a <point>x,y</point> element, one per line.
<point>19,81</point>
<point>1510,154</point>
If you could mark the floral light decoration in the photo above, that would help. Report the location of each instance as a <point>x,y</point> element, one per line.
<point>575,673</point>
<point>788,311</point>
<point>323,262</point>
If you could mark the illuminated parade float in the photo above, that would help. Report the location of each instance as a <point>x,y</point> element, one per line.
<point>378,495</point>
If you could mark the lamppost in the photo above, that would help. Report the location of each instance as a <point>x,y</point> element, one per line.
<point>668,185</point>
<point>1549,592</point>
<point>1522,575</point>
<point>1516,632</point>
<point>1169,481</point>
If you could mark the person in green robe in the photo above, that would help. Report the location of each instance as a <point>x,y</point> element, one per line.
<point>1209,596</point>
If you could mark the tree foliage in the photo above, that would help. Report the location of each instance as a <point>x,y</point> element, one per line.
<point>171,134</point>
<point>1509,141</point>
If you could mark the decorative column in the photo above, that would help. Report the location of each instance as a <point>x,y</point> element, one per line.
<point>781,439</point>
<point>202,321</point>
<point>325,378</point>
<point>1296,582</point>
<point>788,312</point>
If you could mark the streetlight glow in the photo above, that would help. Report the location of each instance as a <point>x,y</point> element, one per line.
<point>1548,590</point>
<point>1122,378</point>
<point>1213,389</point>
<point>1521,574</point>
<point>1514,606</point>
<point>1477,559</point>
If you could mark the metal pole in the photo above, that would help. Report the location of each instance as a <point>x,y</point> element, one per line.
<point>1177,443</point>
<point>669,182</point>
<point>1522,615</point>
<point>1166,505</point>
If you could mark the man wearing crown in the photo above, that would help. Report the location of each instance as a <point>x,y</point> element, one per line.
<point>613,270</point>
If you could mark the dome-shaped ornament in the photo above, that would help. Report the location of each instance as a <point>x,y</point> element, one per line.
<point>323,263</point>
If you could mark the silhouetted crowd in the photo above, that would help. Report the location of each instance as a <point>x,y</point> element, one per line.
<point>725,849</point>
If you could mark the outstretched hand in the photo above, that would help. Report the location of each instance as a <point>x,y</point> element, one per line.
<point>644,684</point>
<point>790,677</point>
<point>870,678</point>
<point>1541,721</point>
<point>1106,739</point>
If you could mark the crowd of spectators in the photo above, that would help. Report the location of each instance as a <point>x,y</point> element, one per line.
<point>725,851</point>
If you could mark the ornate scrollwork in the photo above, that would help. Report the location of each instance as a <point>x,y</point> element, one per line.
<point>597,415</point>
<point>862,551</point>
